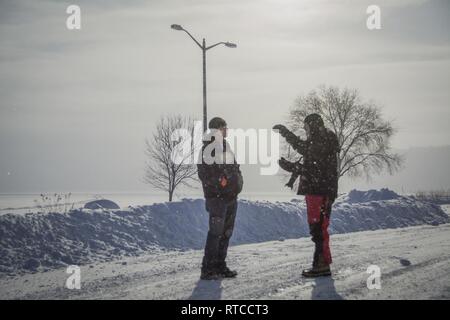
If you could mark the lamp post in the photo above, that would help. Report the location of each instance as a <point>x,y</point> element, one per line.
<point>204,48</point>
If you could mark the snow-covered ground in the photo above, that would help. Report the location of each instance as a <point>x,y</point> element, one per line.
<point>414,263</point>
<point>45,241</point>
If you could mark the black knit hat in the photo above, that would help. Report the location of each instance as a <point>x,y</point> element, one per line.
<point>217,123</point>
<point>314,120</point>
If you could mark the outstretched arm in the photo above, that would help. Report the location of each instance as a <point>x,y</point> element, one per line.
<point>298,144</point>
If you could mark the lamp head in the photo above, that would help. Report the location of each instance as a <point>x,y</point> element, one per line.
<point>176,27</point>
<point>230,45</point>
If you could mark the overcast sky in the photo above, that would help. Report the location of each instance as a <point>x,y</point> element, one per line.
<point>76,106</point>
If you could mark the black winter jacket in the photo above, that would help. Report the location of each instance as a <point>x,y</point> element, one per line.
<point>211,174</point>
<point>319,172</point>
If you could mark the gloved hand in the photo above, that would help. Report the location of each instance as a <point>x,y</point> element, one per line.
<point>223,181</point>
<point>281,128</point>
<point>291,182</point>
<point>286,165</point>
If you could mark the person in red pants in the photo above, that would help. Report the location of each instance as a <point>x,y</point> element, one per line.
<point>318,210</point>
<point>318,182</point>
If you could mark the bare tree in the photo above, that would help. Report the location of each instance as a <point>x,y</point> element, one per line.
<point>162,172</point>
<point>364,136</point>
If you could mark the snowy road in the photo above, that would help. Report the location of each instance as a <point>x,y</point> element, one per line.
<point>414,262</point>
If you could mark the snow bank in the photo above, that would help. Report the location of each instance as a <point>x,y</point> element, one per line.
<point>39,241</point>
<point>356,196</point>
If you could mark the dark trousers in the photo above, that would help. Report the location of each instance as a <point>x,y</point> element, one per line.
<point>222,213</point>
<point>319,210</point>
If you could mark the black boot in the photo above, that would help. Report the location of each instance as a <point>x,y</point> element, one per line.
<point>210,270</point>
<point>317,272</point>
<point>319,269</point>
<point>227,273</point>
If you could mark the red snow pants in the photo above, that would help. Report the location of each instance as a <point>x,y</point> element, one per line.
<point>319,210</point>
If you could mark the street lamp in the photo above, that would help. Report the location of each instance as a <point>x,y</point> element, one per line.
<point>204,48</point>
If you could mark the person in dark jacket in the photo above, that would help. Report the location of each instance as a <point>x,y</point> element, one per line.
<point>318,182</point>
<point>222,182</point>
